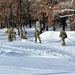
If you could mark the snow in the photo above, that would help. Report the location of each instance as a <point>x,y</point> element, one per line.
<point>29,58</point>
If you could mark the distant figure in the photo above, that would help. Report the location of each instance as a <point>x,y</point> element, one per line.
<point>9,34</point>
<point>23,34</point>
<point>63,35</point>
<point>37,35</point>
<point>72,26</point>
<point>13,34</point>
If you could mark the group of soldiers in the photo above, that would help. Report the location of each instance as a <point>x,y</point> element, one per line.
<point>63,34</point>
<point>23,34</point>
<point>12,34</point>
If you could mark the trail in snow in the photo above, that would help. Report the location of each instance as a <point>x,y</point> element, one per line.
<point>33,50</point>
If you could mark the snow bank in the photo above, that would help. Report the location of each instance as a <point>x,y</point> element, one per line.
<point>53,36</point>
<point>50,36</point>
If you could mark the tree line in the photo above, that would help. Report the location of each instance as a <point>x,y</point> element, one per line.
<point>21,13</point>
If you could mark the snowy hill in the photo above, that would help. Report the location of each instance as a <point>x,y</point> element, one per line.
<point>29,58</point>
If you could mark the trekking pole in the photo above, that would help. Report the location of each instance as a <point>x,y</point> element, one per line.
<point>71,40</point>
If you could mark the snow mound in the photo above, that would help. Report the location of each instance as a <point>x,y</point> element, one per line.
<point>53,36</point>
<point>50,36</point>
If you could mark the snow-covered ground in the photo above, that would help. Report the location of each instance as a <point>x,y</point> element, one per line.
<point>29,58</point>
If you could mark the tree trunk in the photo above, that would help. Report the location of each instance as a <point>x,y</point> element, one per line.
<point>30,22</point>
<point>43,22</point>
<point>18,29</point>
<point>63,22</point>
<point>46,27</point>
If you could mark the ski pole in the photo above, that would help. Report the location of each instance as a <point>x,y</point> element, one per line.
<point>71,40</point>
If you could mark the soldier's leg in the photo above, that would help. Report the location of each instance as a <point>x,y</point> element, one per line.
<point>9,38</point>
<point>21,35</point>
<point>14,37</point>
<point>35,39</point>
<point>39,39</point>
<point>25,37</point>
<point>63,42</point>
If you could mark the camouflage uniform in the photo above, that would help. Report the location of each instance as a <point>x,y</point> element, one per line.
<point>13,34</point>
<point>72,26</point>
<point>9,34</point>
<point>63,35</point>
<point>36,35</point>
<point>23,34</point>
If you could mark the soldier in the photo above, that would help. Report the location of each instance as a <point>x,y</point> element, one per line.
<point>13,34</point>
<point>63,35</point>
<point>21,32</point>
<point>72,26</point>
<point>24,35</point>
<point>36,35</point>
<point>9,34</point>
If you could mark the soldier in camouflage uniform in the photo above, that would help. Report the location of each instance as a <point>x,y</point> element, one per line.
<point>13,34</point>
<point>9,34</point>
<point>23,34</point>
<point>36,35</point>
<point>63,35</point>
<point>72,26</point>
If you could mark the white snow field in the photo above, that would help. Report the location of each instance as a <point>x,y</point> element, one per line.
<point>29,58</point>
